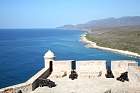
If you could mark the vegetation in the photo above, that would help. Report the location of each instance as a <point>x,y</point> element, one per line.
<point>124,38</point>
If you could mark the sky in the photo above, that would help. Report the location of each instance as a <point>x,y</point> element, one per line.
<point>55,13</point>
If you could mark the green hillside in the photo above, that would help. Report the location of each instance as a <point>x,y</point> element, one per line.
<point>124,38</point>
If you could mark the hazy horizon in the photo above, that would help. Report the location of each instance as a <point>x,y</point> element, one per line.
<point>30,14</point>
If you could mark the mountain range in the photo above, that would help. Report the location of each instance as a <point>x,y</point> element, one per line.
<point>106,23</point>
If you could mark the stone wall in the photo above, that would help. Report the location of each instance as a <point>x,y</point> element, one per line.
<point>134,73</point>
<point>92,68</point>
<point>85,69</point>
<point>60,68</point>
<point>24,87</point>
<point>29,85</point>
<point>119,67</point>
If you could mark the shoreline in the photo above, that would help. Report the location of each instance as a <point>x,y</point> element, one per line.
<point>90,44</point>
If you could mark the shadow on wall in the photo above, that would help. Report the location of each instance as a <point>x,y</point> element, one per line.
<point>43,76</point>
<point>108,64</point>
<point>109,73</point>
<point>138,62</point>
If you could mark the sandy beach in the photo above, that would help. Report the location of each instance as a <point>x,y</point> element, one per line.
<point>91,44</point>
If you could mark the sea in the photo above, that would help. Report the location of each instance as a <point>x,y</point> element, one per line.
<point>22,51</point>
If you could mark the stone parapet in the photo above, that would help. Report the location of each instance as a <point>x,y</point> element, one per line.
<point>84,69</point>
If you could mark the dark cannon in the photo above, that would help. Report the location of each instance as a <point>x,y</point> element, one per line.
<point>123,77</point>
<point>73,75</point>
<point>46,82</point>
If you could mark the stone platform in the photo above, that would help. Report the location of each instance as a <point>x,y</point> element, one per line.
<point>89,78</point>
<point>89,85</point>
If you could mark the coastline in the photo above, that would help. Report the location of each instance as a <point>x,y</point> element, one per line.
<point>90,44</point>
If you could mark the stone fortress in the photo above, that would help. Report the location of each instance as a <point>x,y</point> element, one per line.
<point>91,77</point>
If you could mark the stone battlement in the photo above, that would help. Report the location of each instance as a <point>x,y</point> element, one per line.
<point>85,69</point>
<point>92,68</point>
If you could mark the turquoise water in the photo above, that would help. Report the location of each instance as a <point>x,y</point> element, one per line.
<point>22,51</point>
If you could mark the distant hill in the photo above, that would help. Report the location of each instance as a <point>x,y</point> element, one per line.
<point>107,23</point>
